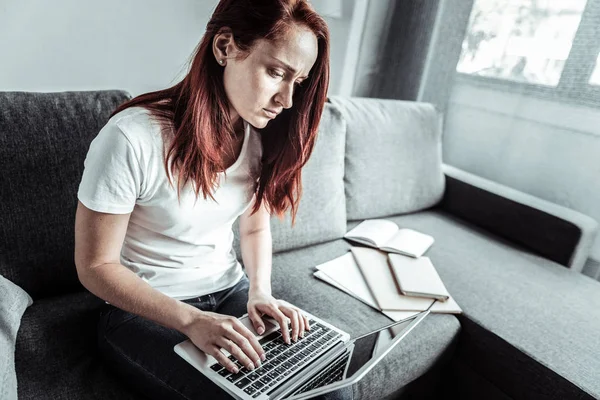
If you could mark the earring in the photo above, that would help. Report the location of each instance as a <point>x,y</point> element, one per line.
<point>221,62</point>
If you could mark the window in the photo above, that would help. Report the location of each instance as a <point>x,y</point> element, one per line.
<point>547,48</point>
<point>523,41</point>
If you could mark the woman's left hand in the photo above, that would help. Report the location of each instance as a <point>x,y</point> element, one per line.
<point>262,303</point>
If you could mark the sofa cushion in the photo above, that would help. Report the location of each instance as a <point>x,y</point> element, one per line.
<point>322,211</point>
<point>13,303</point>
<point>56,354</point>
<point>393,156</point>
<point>44,138</point>
<point>516,303</point>
<point>431,341</point>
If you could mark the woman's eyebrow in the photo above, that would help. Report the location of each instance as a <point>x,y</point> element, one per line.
<point>288,67</point>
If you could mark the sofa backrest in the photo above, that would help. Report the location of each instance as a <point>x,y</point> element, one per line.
<point>372,158</point>
<point>44,138</point>
<point>393,156</point>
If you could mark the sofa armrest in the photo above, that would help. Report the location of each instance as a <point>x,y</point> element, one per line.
<point>555,232</point>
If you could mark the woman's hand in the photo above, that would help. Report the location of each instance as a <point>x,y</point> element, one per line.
<point>212,332</point>
<point>261,303</point>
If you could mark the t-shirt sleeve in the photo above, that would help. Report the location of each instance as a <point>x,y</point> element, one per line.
<point>112,176</point>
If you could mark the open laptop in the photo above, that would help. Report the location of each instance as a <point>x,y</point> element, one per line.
<point>326,359</point>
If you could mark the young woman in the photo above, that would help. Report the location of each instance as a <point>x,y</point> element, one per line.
<point>168,175</point>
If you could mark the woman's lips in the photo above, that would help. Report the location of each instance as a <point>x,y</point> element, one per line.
<point>270,114</point>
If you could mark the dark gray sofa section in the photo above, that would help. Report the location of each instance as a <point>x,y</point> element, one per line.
<point>530,322</point>
<point>44,138</point>
<point>554,232</point>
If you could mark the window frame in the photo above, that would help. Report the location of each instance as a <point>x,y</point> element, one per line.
<point>573,86</point>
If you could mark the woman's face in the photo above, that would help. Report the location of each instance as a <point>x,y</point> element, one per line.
<point>261,85</point>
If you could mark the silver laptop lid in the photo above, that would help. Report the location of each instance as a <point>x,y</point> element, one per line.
<point>366,351</point>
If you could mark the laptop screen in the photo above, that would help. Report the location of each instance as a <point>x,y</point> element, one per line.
<point>362,355</point>
<point>372,345</point>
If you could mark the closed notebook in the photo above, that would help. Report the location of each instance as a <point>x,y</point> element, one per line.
<point>417,277</point>
<point>344,273</point>
<point>376,272</point>
<point>393,315</point>
<point>385,235</point>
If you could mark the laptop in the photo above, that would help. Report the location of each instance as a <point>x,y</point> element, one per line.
<point>326,359</point>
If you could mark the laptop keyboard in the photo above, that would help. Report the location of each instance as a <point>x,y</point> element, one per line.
<point>283,360</point>
<point>333,373</point>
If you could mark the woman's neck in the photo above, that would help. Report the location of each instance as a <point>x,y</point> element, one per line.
<point>237,122</point>
<point>238,127</point>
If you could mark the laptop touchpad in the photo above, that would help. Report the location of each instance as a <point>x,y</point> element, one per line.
<point>248,324</point>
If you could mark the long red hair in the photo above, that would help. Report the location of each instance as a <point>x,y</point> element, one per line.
<point>198,111</point>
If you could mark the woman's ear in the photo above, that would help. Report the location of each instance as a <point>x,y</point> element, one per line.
<point>223,46</point>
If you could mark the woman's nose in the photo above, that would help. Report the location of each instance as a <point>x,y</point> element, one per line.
<point>284,97</point>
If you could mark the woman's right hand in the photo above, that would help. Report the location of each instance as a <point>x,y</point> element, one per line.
<point>211,332</point>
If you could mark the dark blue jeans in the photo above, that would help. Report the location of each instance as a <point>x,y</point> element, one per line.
<point>141,352</point>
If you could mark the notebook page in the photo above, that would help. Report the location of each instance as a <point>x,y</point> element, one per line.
<point>378,230</point>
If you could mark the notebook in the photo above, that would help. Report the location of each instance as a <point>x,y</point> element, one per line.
<point>343,273</point>
<point>373,265</point>
<point>417,277</point>
<point>385,235</point>
<point>368,300</point>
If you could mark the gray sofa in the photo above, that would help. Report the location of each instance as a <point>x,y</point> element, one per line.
<point>511,261</point>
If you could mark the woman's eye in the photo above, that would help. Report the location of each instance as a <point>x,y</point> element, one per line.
<point>275,73</point>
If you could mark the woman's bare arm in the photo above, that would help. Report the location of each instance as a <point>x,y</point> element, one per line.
<point>98,241</point>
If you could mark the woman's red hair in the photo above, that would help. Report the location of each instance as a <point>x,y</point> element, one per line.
<point>198,111</point>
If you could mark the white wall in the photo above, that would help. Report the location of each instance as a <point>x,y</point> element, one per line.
<point>136,45</point>
<point>545,148</point>
<point>339,31</point>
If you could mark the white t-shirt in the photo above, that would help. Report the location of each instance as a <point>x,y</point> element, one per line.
<point>183,250</point>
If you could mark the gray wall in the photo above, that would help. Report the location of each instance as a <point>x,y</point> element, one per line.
<point>548,149</point>
<point>137,45</point>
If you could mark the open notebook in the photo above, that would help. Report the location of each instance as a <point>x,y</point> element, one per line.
<point>385,235</point>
